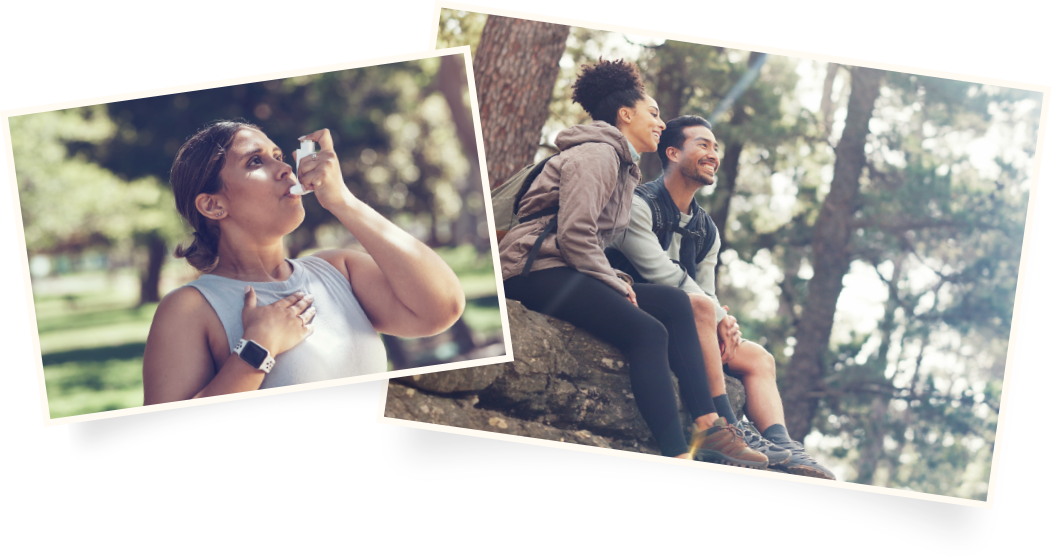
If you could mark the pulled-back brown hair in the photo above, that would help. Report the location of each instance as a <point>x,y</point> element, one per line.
<point>604,87</point>
<point>196,171</point>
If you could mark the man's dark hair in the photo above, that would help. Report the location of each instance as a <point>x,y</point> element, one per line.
<point>673,134</point>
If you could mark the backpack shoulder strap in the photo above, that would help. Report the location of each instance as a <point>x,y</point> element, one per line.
<point>528,181</point>
<point>710,237</point>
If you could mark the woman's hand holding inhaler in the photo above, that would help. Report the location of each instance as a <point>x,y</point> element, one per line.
<point>306,149</point>
<point>320,172</point>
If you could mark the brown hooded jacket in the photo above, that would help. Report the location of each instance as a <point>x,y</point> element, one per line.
<point>592,180</point>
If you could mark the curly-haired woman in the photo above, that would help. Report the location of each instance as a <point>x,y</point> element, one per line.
<point>587,191</point>
<point>244,324</point>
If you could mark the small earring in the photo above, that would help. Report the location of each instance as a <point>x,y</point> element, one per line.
<point>220,213</point>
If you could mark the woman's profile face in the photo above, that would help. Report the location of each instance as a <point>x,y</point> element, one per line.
<point>256,182</point>
<point>644,128</point>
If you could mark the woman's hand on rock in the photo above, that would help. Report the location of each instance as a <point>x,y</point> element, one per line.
<point>322,173</point>
<point>279,326</point>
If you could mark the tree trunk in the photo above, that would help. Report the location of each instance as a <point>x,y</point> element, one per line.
<point>515,72</point>
<point>673,81</point>
<point>728,182</point>
<point>732,152</point>
<point>828,105</point>
<point>150,278</point>
<point>451,83</point>
<point>872,452</point>
<point>395,352</point>
<point>831,256</point>
<point>462,336</point>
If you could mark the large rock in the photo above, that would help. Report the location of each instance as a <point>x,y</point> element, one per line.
<point>564,384</point>
<point>454,381</point>
<point>407,403</point>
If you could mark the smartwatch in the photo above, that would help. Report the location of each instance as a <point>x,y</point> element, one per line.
<point>254,355</point>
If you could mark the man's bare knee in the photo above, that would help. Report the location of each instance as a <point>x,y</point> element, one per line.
<point>761,361</point>
<point>752,360</point>
<point>767,364</point>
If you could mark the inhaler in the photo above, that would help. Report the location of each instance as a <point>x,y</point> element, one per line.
<point>306,149</point>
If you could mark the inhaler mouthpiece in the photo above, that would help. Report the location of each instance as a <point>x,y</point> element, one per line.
<point>306,148</point>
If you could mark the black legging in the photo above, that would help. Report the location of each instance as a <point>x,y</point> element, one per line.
<point>663,333</point>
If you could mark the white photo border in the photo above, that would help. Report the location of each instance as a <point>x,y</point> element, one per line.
<point>1024,262</point>
<point>20,233</point>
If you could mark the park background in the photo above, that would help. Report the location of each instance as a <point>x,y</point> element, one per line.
<point>100,220</point>
<point>872,226</point>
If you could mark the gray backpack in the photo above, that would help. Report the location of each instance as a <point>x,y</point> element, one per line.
<point>506,199</point>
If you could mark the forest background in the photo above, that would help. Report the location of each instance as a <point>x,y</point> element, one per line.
<point>872,225</point>
<point>100,220</point>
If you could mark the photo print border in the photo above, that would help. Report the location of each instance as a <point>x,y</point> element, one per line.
<point>24,260</point>
<point>492,429</point>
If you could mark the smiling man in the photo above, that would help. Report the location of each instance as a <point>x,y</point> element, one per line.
<point>672,241</point>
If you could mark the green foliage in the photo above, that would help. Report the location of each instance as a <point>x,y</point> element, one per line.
<point>458,28</point>
<point>69,202</point>
<point>391,128</point>
<point>87,387</point>
<point>908,402</point>
<point>904,404</point>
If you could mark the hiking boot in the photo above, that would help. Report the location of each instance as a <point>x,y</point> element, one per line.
<point>724,444</point>
<point>802,464</point>
<point>775,455</point>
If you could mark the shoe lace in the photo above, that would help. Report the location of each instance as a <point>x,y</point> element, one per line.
<point>799,453</point>
<point>751,437</point>
<point>738,432</point>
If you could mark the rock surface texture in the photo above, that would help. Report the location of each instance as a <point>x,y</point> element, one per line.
<point>564,385</point>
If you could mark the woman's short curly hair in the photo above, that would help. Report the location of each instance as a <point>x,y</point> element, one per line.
<point>606,86</point>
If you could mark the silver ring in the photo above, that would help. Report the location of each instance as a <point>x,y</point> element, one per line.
<point>304,319</point>
<point>314,156</point>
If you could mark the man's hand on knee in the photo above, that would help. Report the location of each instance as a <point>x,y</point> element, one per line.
<point>730,336</point>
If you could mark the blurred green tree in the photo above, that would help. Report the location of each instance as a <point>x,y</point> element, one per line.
<point>459,28</point>
<point>916,399</point>
<point>70,203</point>
<point>390,125</point>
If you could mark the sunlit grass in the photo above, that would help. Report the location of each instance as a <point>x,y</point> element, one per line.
<point>482,319</point>
<point>135,329</point>
<point>92,336</point>
<point>477,286</point>
<point>474,269</point>
<point>86,387</point>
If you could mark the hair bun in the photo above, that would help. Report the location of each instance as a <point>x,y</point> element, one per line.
<point>598,82</point>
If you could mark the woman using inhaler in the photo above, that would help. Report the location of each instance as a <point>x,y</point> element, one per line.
<point>255,319</point>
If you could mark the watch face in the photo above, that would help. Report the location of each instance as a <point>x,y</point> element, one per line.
<point>253,354</point>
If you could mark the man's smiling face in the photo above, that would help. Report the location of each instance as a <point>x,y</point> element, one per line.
<point>699,159</point>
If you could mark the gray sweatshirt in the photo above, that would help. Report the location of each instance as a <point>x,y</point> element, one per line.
<point>641,246</point>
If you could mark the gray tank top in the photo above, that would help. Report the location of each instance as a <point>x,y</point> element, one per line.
<point>344,343</point>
